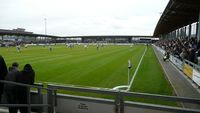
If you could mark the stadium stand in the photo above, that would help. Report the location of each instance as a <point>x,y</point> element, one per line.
<point>185,48</point>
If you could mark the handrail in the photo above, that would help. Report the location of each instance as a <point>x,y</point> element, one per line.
<point>89,99</point>
<point>132,94</point>
<point>161,107</point>
<point>25,85</point>
<point>50,104</point>
<point>83,89</point>
<point>163,97</point>
<point>120,103</point>
<point>24,105</point>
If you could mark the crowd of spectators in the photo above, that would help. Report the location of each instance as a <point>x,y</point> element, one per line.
<point>182,48</point>
<point>15,94</point>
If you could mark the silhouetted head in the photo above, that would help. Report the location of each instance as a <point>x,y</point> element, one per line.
<point>28,67</point>
<point>15,65</point>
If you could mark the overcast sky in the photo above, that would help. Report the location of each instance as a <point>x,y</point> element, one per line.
<point>82,17</point>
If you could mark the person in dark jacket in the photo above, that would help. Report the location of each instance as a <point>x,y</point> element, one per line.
<point>3,73</point>
<point>166,56</point>
<point>27,76</point>
<point>11,89</point>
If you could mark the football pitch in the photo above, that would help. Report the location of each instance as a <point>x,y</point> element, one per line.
<point>104,68</point>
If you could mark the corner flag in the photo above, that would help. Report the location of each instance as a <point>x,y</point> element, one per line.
<point>129,64</point>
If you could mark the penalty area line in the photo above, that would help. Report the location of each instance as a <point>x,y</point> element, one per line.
<point>129,86</point>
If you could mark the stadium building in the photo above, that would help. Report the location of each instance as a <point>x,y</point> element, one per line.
<point>178,24</point>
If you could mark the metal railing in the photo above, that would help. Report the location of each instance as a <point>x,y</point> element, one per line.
<point>119,99</point>
<point>29,105</point>
<point>193,65</point>
<point>180,64</point>
<point>120,103</point>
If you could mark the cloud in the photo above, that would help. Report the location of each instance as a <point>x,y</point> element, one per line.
<point>82,17</point>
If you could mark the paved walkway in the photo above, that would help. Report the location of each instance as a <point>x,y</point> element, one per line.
<point>182,86</point>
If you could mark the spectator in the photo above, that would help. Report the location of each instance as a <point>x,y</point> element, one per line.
<point>11,89</point>
<point>27,76</point>
<point>3,73</point>
<point>183,54</point>
<point>191,54</point>
<point>166,56</point>
<point>197,56</point>
<point>183,48</point>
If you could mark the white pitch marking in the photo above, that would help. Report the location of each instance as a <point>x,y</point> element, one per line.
<point>136,71</point>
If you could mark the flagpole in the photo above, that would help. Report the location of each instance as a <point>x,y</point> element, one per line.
<point>128,75</point>
<point>45,29</point>
<point>45,26</point>
<point>129,67</point>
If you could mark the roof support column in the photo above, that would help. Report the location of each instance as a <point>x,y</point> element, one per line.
<point>198,30</point>
<point>182,32</point>
<point>175,34</point>
<point>189,33</point>
<point>185,34</point>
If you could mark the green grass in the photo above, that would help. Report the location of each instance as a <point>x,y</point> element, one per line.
<point>151,79</point>
<point>106,67</point>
